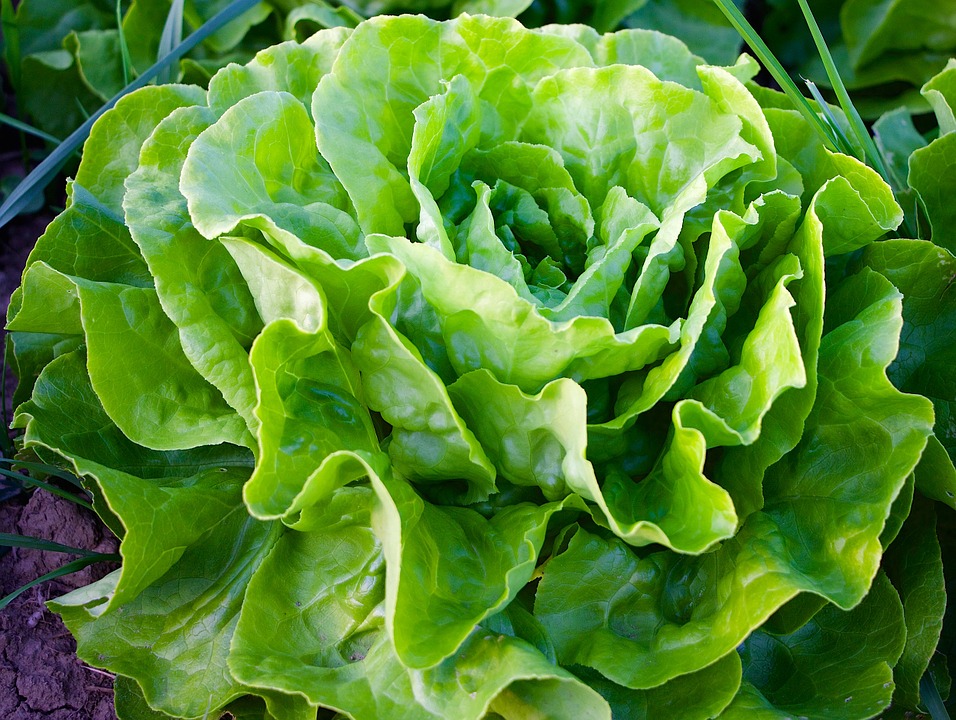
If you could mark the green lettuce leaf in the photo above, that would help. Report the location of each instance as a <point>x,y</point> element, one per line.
<point>924,273</point>
<point>915,566</point>
<point>846,657</point>
<point>334,609</point>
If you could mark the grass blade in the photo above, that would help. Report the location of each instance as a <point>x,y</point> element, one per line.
<point>52,489</point>
<point>171,37</point>
<point>931,697</point>
<point>70,567</point>
<point>865,147</point>
<point>44,468</point>
<point>32,543</point>
<point>776,70</point>
<point>41,176</point>
<point>846,147</point>
<point>861,134</point>
<point>124,47</point>
<point>83,111</point>
<point>28,129</point>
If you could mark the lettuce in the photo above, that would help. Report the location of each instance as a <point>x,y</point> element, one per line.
<point>454,369</point>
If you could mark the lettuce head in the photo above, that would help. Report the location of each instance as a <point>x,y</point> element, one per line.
<point>459,370</point>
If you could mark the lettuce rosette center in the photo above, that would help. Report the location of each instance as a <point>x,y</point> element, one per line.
<point>491,365</point>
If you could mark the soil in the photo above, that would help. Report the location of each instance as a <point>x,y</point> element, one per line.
<point>40,675</point>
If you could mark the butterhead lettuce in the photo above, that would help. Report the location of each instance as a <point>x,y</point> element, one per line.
<point>459,370</point>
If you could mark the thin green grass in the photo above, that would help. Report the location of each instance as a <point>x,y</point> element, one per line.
<point>87,558</point>
<point>11,40</point>
<point>69,568</point>
<point>866,146</point>
<point>28,129</point>
<point>83,111</point>
<point>171,38</point>
<point>49,487</point>
<point>45,469</point>
<point>859,143</point>
<point>32,543</point>
<point>932,699</point>
<point>127,62</point>
<point>777,71</point>
<point>829,116</point>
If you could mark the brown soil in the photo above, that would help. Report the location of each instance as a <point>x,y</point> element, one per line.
<point>40,675</point>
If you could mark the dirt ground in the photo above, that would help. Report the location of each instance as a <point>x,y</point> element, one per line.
<point>40,676</point>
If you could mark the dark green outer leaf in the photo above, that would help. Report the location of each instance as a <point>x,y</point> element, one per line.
<point>932,178</point>
<point>915,566</point>
<point>696,696</point>
<point>926,364</point>
<point>836,666</point>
